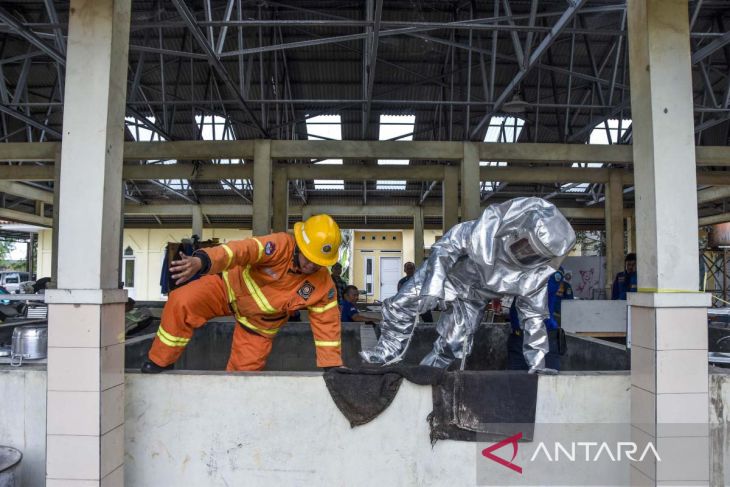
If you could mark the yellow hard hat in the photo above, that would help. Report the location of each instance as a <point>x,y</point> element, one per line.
<point>319,239</point>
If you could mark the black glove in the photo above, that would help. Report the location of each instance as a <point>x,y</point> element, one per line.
<point>149,367</point>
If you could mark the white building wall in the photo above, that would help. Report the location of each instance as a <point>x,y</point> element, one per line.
<point>148,245</point>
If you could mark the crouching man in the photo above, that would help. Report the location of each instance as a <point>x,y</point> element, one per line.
<point>260,281</point>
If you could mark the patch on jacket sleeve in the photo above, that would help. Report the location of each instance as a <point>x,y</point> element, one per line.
<point>331,293</point>
<point>306,290</point>
<point>269,248</point>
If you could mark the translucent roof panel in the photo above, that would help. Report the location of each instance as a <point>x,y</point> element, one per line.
<point>326,127</point>
<point>141,133</point>
<point>395,127</point>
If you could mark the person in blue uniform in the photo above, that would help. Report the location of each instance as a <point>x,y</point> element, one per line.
<point>625,282</point>
<point>558,289</point>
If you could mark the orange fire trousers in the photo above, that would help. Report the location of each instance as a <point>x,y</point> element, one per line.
<point>190,307</point>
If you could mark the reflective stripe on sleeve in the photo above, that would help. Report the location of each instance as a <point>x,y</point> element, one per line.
<point>256,293</point>
<point>325,343</point>
<point>171,340</point>
<point>261,249</point>
<point>229,252</point>
<point>322,309</point>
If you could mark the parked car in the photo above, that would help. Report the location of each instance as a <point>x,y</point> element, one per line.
<point>11,280</point>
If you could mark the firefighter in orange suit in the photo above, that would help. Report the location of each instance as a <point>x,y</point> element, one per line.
<point>259,280</point>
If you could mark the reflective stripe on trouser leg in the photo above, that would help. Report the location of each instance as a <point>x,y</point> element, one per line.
<point>535,343</point>
<point>249,350</point>
<point>188,307</point>
<point>456,328</point>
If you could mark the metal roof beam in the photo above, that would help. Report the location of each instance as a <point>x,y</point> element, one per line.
<point>221,70</point>
<point>545,44</point>
<point>30,36</point>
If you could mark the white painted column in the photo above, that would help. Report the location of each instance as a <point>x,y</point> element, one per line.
<point>470,204</point>
<point>669,374</point>
<point>418,251</point>
<point>450,197</point>
<point>85,401</point>
<point>262,192</point>
<point>614,227</point>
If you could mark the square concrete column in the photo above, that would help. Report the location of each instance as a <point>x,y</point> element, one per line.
<point>470,204</point>
<point>614,215</point>
<point>198,221</point>
<point>450,197</point>
<point>85,401</point>
<point>418,244</point>
<point>669,373</point>
<point>281,200</point>
<point>262,193</point>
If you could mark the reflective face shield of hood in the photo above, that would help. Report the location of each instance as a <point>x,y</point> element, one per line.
<point>526,250</point>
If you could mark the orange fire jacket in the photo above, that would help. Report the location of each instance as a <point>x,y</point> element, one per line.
<point>264,286</point>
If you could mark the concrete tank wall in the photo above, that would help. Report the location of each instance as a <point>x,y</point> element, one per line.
<point>271,428</point>
<point>293,349</point>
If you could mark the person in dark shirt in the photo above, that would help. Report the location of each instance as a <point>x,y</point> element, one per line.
<point>409,268</point>
<point>340,283</point>
<point>348,311</point>
<point>625,282</point>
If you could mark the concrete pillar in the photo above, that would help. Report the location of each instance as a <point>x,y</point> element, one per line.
<point>669,373</point>
<point>281,200</point>
<point>418,244</point>
<point>470,204</point>
<point>450,197</point>
<point>85,400</point>
<point>630,234</point>
<point>262,193</point>
<point>53,284</point>
<point>198,221</point>
<point>614,226</point>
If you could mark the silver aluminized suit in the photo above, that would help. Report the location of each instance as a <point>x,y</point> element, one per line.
<point>512,249</point>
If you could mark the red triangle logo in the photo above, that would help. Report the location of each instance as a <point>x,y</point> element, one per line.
<point>512,440</point>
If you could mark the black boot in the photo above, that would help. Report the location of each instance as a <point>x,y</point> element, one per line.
<point>149,367</point>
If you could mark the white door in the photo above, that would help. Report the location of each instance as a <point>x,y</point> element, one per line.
<point>390,274</point>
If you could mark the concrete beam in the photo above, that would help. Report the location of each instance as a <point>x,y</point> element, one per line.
<point>27,192</point>
<point>713,194</point>
<point>29,151</point>
<point>189,150</point>
<point>23,217</point>
<point>353,172</point>
<point>714,219</point>
<point>203,172</point>
<point>363,149</point>
<point>544,175</point>
<point>555,153</point>
<point>349,149</point>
